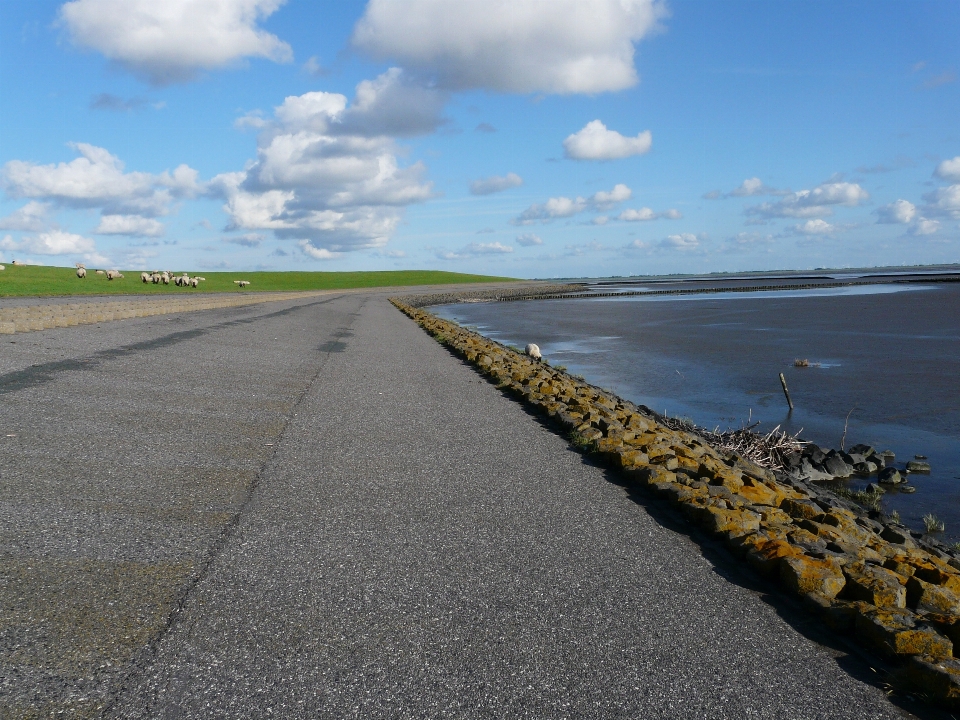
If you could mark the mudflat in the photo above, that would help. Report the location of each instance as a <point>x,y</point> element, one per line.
<point>311,509</point>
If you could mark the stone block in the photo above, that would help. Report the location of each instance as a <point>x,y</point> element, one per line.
<point>765,557</point>
<point>928,597</point>
<point>803,574</point>
<point>897,633</point>
<point>939,678</point>
<point>875,585</point>
<point>800,508</point>
<point>736,522</point>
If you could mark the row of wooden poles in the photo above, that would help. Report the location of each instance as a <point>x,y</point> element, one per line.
<point>28,318</point>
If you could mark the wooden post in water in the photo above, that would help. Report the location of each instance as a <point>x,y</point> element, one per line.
<point>786,393</point>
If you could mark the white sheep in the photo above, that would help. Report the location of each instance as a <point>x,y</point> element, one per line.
<point>100,272</point>
<point>533,351</point>
<point>81,272</point>
<point>201,279</point>
<point>145,277</point>
<point>195,282</point>
<point>113,274</point>
<point>3,267</point>
<point>243,283</point>
<point>80,265</point>
<point>17,262</point>
<point>165,277</point>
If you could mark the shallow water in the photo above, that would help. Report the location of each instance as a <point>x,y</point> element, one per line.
<point>887,355</point>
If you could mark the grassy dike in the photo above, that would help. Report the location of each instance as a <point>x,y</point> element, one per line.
<point>876,582</point>
<point>41,281</point>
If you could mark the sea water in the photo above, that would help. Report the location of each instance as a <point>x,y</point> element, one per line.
<point>884,366</point>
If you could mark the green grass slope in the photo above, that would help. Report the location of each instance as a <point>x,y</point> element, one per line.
<point>38,280</point>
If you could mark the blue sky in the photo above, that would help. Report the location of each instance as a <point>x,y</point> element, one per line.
<point>530,138</point>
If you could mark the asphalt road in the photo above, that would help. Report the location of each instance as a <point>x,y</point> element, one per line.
<point>310,509</point>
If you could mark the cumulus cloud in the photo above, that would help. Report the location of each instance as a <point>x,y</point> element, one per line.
<point>317,253</point>
<point>32,217</point>
<point>944,201</point>
<point>172,41</point>
<point>596,142</point>
<point>326,171</point>
<point>645,214</point>
<point>52,242</point>
<point>495,184</point>
<point>561,207</point>
<point>529,239</point>
<point>900,211</point>
<point>524,46</point>
<point>814,227</point>
<point>97,179</point>
<point>949,170</point>
<point>924,227</point>
<point>811,203</point>
<point>681,241</point>
<point>132,225</point>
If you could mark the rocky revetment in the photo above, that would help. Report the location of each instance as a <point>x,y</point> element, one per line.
<point>890,589</point>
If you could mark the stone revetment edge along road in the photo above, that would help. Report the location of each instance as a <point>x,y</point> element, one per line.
<point>309,508</point>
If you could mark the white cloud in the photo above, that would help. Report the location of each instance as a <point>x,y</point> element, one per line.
<point>900,211</point>
<point>317,253</point>
<point>171,41</point>
<point>924,227</point>
<point>564,46</point>
<point>681,241</point>
<point>944,201</point>
<point>949,170</point>
<point>53,242</point>
<point>596,142</point>
<point>474,250</point>
<point>495,184</point>
<point>600,220</point>
<point>811,203</point>
<point>327,171</point>
<point>633,215</point>
<point>32,217</point>
<point>603,199</point>
<point>742,242</point>
<point>529,239</point>
<point>133,225</point>
<point>753,186</point>
<point>814,227</point>
<point>561,207</point>
<point>645,214</point>
<point>97,179</point>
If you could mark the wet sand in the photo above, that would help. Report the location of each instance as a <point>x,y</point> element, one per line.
<point>891,354</point>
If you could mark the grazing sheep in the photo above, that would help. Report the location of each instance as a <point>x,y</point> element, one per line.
<point>81,272</point>
<point>80,265</point>
<point>243,283</point>
<point>195,282</point>
<point>3,267</point>
<point>533,351</point>
<point>165,277</point>
<point>201,279</point>
<point>113,274</point>
<point>100,272</point>
<point>145,277</point>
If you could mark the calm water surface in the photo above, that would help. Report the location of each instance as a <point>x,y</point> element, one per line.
<point>888,355</point>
